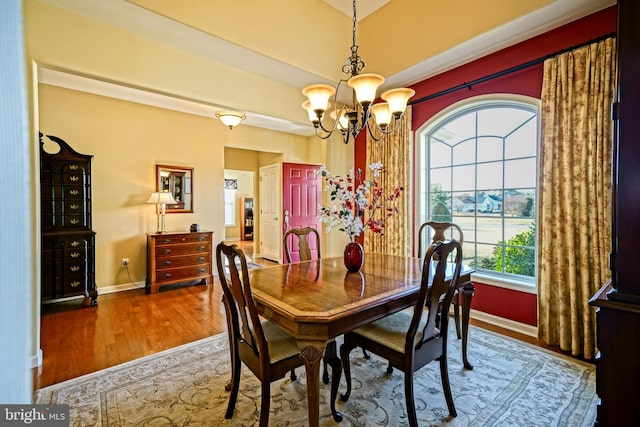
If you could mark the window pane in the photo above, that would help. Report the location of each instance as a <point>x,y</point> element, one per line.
<point>441,179</point>
<point>459,129</point>
<point>489,149</point>
<point>464,178</point>
<point>520,203</point>
<point>501,121</point>
<point>519,229</point>
<point>489,230</point>
<point>464,203</point>
<point>489,176</point>
<point>520,173</point>
<point>465,152</point>
<point>440,154</point>
<point>522,143</point>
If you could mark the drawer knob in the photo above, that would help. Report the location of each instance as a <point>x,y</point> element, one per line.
<point>166,251</point>
<point>166,241</point>
<point>167,275</point>
<point>201,238</point>
<point>167,262</point>
<point>201,259</point>
<point>74,284</point>
<point>201,248</point>
<point>201,270</point>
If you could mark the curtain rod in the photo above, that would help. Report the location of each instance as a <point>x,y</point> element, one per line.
<point>468,85</point>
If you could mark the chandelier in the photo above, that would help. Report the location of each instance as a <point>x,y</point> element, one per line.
<point>351,119</point>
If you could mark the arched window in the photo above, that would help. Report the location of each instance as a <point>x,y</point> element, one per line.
<point>478,168</point>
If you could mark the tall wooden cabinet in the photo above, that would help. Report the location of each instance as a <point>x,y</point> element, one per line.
<point>67,240</point>
<point>618,302</point>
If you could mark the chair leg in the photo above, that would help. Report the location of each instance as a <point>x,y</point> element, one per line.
<point>365,354</point>
<point>331,357</point>
<point>456,313</point>
<point>265,401</point>
<point>293,375</point>
<point>346,366</point>
<point>408,395</point>
<point>325,371</point>
<point>389,368</point>
<point>235,386</point>
<point>446,386</point>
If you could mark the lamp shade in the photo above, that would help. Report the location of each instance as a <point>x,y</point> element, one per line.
<point>318,96</point>
<point>365,86</point>
<point>230,118</point>
<point>382,114</point>
<point>397,99</point>
<point>162,197</point>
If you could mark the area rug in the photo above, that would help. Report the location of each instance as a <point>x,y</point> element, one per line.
<point>512,384</point>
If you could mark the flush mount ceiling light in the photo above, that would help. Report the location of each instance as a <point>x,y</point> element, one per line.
<point>351,119</point>
<point>230,118</point>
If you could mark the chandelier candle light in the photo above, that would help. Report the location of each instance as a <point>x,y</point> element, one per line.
<point>351,119</point>
<point>361,205</point>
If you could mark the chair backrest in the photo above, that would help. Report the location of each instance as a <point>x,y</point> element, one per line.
<point>245,329</point>
<point>436,292</point>
<point>304,247</point>
<point>439,229</point>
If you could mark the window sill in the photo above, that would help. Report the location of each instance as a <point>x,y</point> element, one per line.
<point>529,287</point>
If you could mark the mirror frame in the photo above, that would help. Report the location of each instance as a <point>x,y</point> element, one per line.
<point>166,179</point>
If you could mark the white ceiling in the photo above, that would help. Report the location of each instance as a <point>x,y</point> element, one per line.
<point>124,15</point>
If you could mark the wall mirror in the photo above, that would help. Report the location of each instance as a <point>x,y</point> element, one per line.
<point>178,181</point>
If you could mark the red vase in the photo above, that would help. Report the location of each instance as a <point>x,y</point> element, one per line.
<point>353,256</point>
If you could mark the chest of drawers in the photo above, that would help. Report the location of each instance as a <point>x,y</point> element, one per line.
<point>178,258</point>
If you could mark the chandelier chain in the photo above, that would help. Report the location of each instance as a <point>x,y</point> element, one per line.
<point>354,64</point>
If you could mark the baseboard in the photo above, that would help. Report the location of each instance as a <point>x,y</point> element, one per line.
<point>511,325</point>
<point>120,288</point>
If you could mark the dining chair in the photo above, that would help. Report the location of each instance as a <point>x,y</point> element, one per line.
<point>303,248</point>
<point>411,338</point>
<point>265,349</point>
<point>438,234</point>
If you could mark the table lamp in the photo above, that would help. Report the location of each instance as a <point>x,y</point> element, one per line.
<point>162,199</point>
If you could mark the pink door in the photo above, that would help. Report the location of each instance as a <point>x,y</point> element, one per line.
<point>302,192</point>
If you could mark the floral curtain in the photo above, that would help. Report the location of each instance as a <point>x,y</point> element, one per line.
<point>575,193</point>
<point>393,151</point>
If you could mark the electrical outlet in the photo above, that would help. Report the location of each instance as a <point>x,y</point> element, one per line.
<point>124,262</point>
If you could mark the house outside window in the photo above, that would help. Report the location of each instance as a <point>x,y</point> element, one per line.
<point>478,167</point>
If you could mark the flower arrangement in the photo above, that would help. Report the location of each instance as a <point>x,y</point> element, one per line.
<point>362,203</point>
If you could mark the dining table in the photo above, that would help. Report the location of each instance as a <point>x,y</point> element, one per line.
<point>317,301</point>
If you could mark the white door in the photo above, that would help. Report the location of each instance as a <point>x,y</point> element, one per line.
<point>271,212</point>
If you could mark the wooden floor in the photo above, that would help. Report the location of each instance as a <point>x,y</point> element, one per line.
<point>127,325</point>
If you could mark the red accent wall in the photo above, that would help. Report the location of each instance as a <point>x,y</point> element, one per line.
<point>506,303</point>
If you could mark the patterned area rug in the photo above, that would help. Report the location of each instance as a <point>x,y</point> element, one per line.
<point>512,384</point>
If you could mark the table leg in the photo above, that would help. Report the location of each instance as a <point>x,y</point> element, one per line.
<point>467,294</point>
<point>311,354</point>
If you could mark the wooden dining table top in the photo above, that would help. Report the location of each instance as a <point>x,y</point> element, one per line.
<point>320,299</point>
